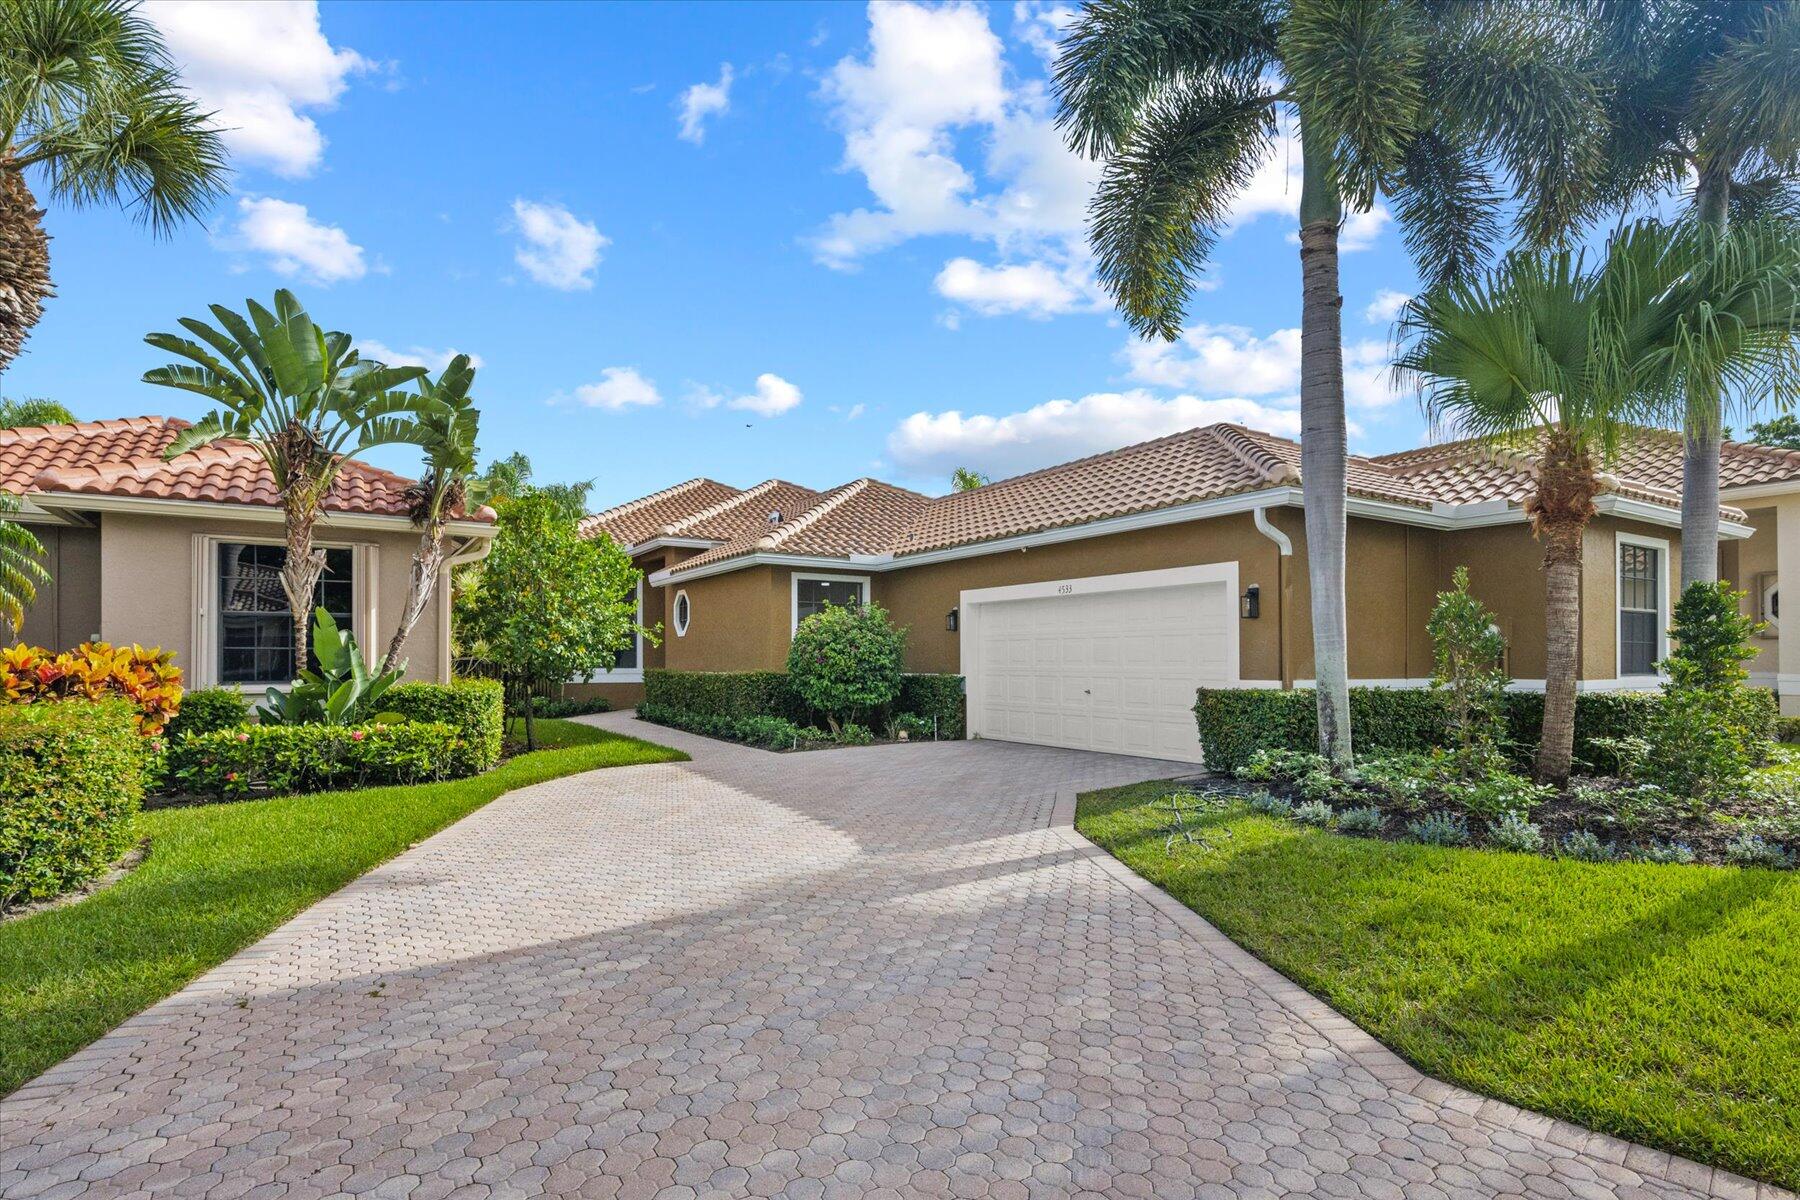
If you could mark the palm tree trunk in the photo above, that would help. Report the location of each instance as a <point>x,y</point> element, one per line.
<point>24,261</point>
<point>304,566</point>
<point>1705,420</point>
<point>427,562</point>
<point>1323,443</point>
<point>1560,512</point>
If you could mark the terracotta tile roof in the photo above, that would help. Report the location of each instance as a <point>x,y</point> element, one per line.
<point>863,517</point>
<point>643,518</point>
<point>124,458</point>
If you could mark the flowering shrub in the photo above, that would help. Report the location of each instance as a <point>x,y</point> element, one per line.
<point>271,759</point>
<point>93,671</point>
<point>845,662</point>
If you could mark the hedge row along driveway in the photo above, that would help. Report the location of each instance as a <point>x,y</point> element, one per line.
<point>221,876</point>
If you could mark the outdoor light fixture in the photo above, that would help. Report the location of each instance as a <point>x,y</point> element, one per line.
<point>1251,605</point>
<point>950,621</point>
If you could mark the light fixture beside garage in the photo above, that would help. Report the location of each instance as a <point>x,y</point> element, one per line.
<point>1250,605</point>
<point>950,620</point>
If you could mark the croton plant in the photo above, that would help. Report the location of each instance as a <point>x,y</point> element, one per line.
<point>148,678</point>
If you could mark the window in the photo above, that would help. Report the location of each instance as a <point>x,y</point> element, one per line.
<point>816,593</point>
<point>1640,607</point>
<point>255,630</point>
<point>682,614</point>
<point>628,663</point>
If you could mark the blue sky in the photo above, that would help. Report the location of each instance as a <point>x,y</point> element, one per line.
<point>812,241</point>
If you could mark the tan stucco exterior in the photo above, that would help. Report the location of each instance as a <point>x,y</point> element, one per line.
<point>140,577</point>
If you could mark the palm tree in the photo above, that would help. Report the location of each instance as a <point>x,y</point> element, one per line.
<point>1545,350</point>
<point>967,479</point>
<point>89,97</point>
<point>21,414</point>
<point>21,572</point>
<point>447,424</point>
<point>303,399</point>
<point>1422,101</point>
<point>1707,93</point>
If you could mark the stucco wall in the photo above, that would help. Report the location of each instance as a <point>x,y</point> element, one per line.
<point>738,622</point>
<point>148,594</point>
<point>66,611</point>
<point>1745,563</point>
<point>1600,589</point>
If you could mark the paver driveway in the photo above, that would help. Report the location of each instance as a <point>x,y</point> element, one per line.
<point>866,973</point>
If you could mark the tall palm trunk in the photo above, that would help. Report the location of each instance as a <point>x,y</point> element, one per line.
<point>24,261</point>
<point>1323,444</point>
<point>304,567</point>
<point>1560,512</point>
<point>1705,421</point>
<point>427,562</point>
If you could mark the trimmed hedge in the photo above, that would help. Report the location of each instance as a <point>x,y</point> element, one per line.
<point>770,733</point>
<point>206,709</point>
<point>475,708</point>
<point>273,759</point>
<point>1236,722</point>
<point>743,694</point>
<point>71,781</point>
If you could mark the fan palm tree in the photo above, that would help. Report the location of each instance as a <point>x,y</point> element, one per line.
<point>21,572</point>
<point>304,399</point>
<point>89,98</point>
<point>447,423</point>
<point>1707,95</point>
<point>22,414</point>
<point>1427,103</point>
<point>1565,358</point>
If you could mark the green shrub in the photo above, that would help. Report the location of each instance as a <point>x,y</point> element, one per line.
<point>912,727</point>
<point>1513,832</point>
<point>475,708</point>
<point>1271,805</point>
<point>724,694</point>
<point>939,697</point>
<point>71,781</point>
<point>560,707</point>
<point>1367,820</point>
<point>1787,729</point>
<point>272,759</point>
<point>1313,812</point>
<point>207,709</point>
<point>1467,652</point>
<point>1584,846</point>
<point>1666,852</point>
<point>845,662</point>
<point>1712,638</point>
<point>1494,794</point>
<point>774,733</point>
<point>1439,829</point>
<point>852,734</point>
<point>770,733</point>
<point>1283,766</point>
<point>1236,722</point>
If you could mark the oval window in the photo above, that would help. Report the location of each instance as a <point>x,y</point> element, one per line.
<point>682,613</point>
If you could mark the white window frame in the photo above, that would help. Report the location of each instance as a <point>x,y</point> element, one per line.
<point>626,674</point>
<point>1663,566</point>
<point>203,669</point>
<point>822,577</point>
<point>681,612</point>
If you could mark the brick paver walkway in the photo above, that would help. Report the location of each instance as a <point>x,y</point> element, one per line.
<point>863,973</point>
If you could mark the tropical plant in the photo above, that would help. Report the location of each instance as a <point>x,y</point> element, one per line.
<point>93,671</point>
<point>510,477</point>
<point>90,98</point>
<point>845,661</point>
<point>549,604</point>
<point>967,479</point>
<point>343,691</point>
<point>303,399</point>
<point>446,422</point>
<point>1183,101</point>
<point>1699,91</point>
<point>21,571</point>
<point>21,414</point>
<point>1546,349</point>
<point>1467,651</point>
<point>1782,431</point>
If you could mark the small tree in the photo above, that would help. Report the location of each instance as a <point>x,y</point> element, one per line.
<point>967,479</point>
<point>33,410</point>
<point>845,662</point>
<point>1468,648</point>
<point>550,604</point>
<point>1712,638</point>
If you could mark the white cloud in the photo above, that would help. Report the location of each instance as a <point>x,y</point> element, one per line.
<point>258,64</point>
<point>293,243</point>
<point>1036,289</point>
<point>558,249</point>
<point>1360,230</point>
<point>930,444</point>
<point>703,100</point>
<point>413,356</point>
<point>1229,360</point>
<point>1385,306</point>
<point>772,397</point>
<point>619,389</point>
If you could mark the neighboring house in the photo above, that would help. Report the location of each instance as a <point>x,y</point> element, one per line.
<point>185,554</point>
<point>1085,602</point>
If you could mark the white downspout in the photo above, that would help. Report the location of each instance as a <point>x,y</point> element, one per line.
<point>1269,531</point>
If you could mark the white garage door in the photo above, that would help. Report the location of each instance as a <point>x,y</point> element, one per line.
<point>1111,664</point>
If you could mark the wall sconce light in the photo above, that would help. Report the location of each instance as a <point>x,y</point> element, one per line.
<point>950,621</point>
<point>1250,606</point>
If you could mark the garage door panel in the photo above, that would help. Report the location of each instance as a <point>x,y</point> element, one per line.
<point>1110,670</point>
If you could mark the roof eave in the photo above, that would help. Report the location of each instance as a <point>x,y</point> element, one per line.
<point>156,506</point>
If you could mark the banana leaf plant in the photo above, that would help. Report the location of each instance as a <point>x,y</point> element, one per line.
<point>343,691</point>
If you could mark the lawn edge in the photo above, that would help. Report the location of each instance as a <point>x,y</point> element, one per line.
<point>1388,1066</point>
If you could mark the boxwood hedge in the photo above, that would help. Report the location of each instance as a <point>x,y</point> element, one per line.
<point>475,708</point>
<point>740,695</point>
<point>1237,722</point>
<point>71,781</point>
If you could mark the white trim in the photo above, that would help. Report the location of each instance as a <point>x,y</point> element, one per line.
<point>203,668</point>
<point>823,577</point>
<point>244,512</point>
<point>1622,539</point>
<point>681,612</point>
<point>971,600</point>
<point>628,674</point>
<point>680,543</point>
<point>1760,491</point>
<point>1631,683</point>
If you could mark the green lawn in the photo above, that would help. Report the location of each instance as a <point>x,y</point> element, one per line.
<point>221,876</point>
<point>1656,1003</point>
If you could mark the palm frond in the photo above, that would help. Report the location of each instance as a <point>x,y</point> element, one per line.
<point>1447,204</point>
<point>1748,95</point>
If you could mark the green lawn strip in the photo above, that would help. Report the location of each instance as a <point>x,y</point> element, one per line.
<point>1655,1003</point>
<point>219,877</point>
